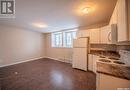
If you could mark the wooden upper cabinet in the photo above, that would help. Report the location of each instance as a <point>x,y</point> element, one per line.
<point>95,35</point>
<point>114,19</point>
<point>103,35</point>
<point>128,10</point>
<point>120,17</point>
<point>123,34</point>
<point>83,33</point>
<point>106,35</point>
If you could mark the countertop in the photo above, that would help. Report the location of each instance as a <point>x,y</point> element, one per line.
<point>117,70</point>
<point>120,71</point>
<point>106,53</point>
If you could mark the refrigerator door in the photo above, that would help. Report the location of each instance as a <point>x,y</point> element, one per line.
<point>80,43</point>
<point>80,58</point>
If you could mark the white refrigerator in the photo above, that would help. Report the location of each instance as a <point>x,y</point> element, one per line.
<point>80,53</point>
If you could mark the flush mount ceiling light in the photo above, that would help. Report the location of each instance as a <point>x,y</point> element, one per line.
<point>40,25</point>
<point>86,10</point>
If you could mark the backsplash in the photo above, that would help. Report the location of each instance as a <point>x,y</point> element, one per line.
<point>107,47</point>
<point>125,56</point>
<point>123,47</point>
<point>111,47</point>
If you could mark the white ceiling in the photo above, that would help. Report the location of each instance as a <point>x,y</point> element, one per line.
<point>59,14</point>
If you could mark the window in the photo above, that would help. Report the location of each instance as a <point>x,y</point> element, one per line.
<point>63,39</point>
<point>68,38</point>
<point>57,39</point>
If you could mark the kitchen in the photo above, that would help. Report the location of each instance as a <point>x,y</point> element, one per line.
<point>65,45</point>
<point>108,56</point>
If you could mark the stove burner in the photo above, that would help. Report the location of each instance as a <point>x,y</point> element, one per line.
<point>118,62</point>
<point>104,60</point>
<point>102,57</point>
<point>114,58</point>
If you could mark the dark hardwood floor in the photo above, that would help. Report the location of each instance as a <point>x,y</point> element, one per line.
<point>45,74</point>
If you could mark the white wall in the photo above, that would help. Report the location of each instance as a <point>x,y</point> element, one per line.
<point>62,54</point>
<point>18,45</point>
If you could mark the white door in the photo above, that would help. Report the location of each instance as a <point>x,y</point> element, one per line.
<point>80,58</point>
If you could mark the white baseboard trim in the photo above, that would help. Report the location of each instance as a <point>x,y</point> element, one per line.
<point>20,62</point>
<point>66,61</point>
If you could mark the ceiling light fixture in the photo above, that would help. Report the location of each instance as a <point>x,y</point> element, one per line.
<point>86,10</point>
<point>40,25</point>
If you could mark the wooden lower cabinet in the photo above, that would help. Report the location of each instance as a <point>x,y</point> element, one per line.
<point>107,82</point>
<point>92,62</point>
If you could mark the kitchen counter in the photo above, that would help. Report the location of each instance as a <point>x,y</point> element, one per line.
<point>121,71</point>
<point>116,70</point>
<point>106,53</point>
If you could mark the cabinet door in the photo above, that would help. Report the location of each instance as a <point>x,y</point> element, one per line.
<point>129,16</point>
<point>80,58</point>
<point>95,58</point>
<point>90,62</point>
<point>76,59</point>
<point>79,33</point>
<point>123,34</point>
<point>107,82</point>
<point>115,16</point>
<point>95,35</point>
<point>83,33</point>
<point>114,19</point>
<point>106,35</point>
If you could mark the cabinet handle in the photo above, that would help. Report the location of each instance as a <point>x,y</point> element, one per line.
<point>109,37</point>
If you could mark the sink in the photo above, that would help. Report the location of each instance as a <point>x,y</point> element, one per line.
<point>104,60</point>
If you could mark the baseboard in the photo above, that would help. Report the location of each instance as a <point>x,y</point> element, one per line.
<point>67,61</point>
<point>20,62</point>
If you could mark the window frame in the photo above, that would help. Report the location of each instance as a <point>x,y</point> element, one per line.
<point>63,37</point>
<point>53,39</point>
